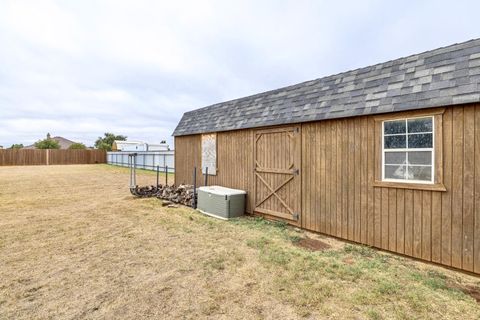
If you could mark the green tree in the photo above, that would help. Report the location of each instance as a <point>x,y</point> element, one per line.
<point>105,143</point>
<point>78,146</point>
<point>47,144</point>
<point>17,146</point>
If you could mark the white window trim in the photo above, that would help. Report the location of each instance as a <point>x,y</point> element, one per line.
<point>432,149</point>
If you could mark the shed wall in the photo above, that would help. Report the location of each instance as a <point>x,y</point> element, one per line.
<point>234,161</point>
<point>339,198</point>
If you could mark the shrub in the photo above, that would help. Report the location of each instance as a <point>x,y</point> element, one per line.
<point>47,144</point>
<point>77,146</point>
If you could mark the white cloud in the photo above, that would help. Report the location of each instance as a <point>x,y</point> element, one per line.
<point>40,23</point>
<point>82,68</point>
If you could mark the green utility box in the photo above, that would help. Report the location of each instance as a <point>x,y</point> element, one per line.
<point>221,202</point>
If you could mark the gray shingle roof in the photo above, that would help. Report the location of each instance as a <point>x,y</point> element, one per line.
<point>440,77</point>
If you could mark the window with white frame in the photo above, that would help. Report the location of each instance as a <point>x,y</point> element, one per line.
<point>408,150</point>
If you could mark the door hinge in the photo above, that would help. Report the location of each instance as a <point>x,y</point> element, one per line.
<point>296,216</point>
<point>296,172</point>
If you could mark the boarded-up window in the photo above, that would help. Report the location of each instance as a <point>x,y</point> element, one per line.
<point>209,153</point>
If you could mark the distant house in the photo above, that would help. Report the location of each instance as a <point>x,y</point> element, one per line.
<point>138,146</point>
<point>63,142</point>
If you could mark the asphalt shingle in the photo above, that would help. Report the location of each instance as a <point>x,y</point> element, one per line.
<point>440,77</point>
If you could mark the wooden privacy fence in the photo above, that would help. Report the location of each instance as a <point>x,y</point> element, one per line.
<point>32,157</point>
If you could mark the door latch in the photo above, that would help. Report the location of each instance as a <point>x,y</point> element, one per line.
<point>296,216</point>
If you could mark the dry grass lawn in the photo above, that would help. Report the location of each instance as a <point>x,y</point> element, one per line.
<point>75,244</point>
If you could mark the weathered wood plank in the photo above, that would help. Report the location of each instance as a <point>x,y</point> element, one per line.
<point>457,188</point>
<point>468,187</point>
<point>427,225</point>
<point>476,244</point>
<point>345,178</point>
<point>400,228</point>
<point>339,189</point>
<point>378,217</point>
<point>417,223</point>
<point>351,179</point>
<point>328,171</point>
<point>392,219</point>
<point>447,180</point>
<point>322,209</point>
<point>357,183</point>
<point>436,227</point>
<point>385,214</point>
<point>363,181</point>
<point>409,222</point>
<point>304,183</point>
<point>333,185</point>
<point>370,178</point>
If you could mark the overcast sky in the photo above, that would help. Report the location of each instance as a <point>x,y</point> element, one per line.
<point>80,68</point>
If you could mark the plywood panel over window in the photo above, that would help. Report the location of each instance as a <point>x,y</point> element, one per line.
<point>209,153</point>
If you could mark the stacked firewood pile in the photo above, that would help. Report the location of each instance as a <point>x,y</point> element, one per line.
<point>182,194</point>
<point>145,192</point>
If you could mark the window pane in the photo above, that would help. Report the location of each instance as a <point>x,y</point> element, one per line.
<point>420,140</point>
<point>395,157</point>
<point>395,171</point>
<point>420,125</point>
<point>391,127</point>
<point>395,142</point>
<point>423,173</point>
<point>420,157</point>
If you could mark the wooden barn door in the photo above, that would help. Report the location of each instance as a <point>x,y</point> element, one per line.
<point>277,155</point>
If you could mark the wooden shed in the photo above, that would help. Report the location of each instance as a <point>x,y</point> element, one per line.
<point>387,155</point>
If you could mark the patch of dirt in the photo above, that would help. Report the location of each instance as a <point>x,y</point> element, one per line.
<point>470,290</point>
<point>312,244</point>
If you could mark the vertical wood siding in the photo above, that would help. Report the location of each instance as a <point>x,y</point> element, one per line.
<point>234,161</point>
<point>338,196</point>
<point>437,226</point>
<point>188,155</point>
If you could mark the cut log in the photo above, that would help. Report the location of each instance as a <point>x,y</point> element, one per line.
<point>182,194</point>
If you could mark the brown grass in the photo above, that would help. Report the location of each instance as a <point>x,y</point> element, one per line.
<point>75,244</point>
